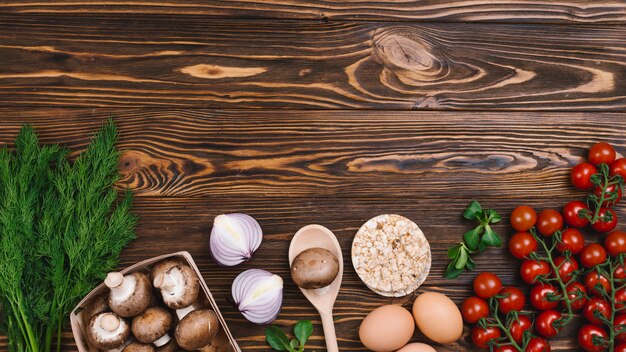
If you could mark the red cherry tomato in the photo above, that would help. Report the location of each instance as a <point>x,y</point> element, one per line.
<point>549,221</point>
<point>618,167</point>
<point>505,348</point>
<point>620,348</point>
<point>522,244</point>
<point>619,273</point>
<point>615,243</point>
<point>577,295</point>
<point>531,269</point>
<point>481,337</point>
<point>518,327</point>
<point>487,285</point>
<point>593,281</point>
<point>544,324</point>
<point>567,267</point>
<point>523,218</point>
<point>571,240</point>
<point>619,322</point>
<point>544,297</point>
<point>581,175</point>
<point>620,298</point>
<point>592,255</point>
<point>596,304</point>
<point>603,225</point>
<point>537,344</point>
<point>613,191</point>
<point>571,214</point>
<point>513,299</point>
<point>585,338</point>
<point>601,153</point>
<point>473,309</point>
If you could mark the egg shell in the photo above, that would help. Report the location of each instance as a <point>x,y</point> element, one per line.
<point>417,347</point>
<point>387,328</point>
<point>437,317</point>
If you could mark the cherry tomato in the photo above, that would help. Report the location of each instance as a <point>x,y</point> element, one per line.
<point>593,279</point>
<point>487,285</point>
<point>518,327</point>
<point>620,348</point>
<point>542,297</point>
<point>571,214</point>
<point>537,344</point>
<point>611,191</point>
<point>619,321</point>
<point>615,243</point>
<point>522,244</point>
<point>618,167</point>
<point>513,299</point>
<point>601,153</point>
<point>531,269</point>
<point>605,225</point>
<point>596,304</point>
<point>571,240</point>
<point>592,255</point>
<point>581,175</point>
<point>473,309</point>
<point>620,298</point>
<point>567,267</point>
<point>619,273</point>
<point>577,295</point>
<point>544,324</point>
<point>481,337</point>
<point>523,218</point>
<point>505,348</point>
<point>549,221</point>
<point>585,337</point>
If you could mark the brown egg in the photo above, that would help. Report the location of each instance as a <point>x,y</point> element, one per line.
<point>387,328</point>
<point>437,317</point>
<point>417,347</point>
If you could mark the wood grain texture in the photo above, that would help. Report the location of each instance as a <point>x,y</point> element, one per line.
<point>563,11</point>
<point>196,153</point>
<point>198,62</point>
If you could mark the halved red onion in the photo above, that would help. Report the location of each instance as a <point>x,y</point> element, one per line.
<point>234,238</point>
<point>258,295</point>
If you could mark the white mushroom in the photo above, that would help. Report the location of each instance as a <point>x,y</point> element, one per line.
<point>97,305</point>
<point>177,282</point>
<point>130,294</point>
<point>107,331</point>
<point>197,329</point>
<point>151,325</point>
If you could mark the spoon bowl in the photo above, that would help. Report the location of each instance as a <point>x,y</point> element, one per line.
<point>317,236</point>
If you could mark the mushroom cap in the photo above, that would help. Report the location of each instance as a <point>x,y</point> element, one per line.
<point>139,347</point>
<point>201,303</point>
<point>107,331</point>
<point>165,265</point>
<point>314,268</point>
<point>129,296</point>
<point>152,324</point>
<point>179,286</point>
<point>97,305</point>
<point>197,329</point>
<point>220,343</point>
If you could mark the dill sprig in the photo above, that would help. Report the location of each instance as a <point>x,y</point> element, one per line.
<point>62,229</point>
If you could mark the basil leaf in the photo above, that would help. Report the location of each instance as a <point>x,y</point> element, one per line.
<point>491,238</point>
<point>470,264</point>
<point>461,261</point>
<point>452,272</point>
<point>276,338</point>
<point>472,238</point>
<point>494,217</point>
<point>470,212</point>
<point>303,330</point>
<point>453,252</point>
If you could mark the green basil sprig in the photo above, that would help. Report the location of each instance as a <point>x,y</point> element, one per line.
<point>279,341</point>
<point>474,241</point>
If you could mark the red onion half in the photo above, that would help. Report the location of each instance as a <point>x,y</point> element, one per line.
<point>234,238</point>
<point>258,295</point>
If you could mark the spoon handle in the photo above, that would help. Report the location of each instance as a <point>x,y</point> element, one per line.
<point>329,332</point>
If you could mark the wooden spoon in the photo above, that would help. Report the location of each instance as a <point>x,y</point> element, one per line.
<point>317,236</point>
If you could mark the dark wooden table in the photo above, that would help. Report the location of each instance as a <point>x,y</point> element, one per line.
<point>328,112</point>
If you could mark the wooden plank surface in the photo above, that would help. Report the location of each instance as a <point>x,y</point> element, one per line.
<point>443,161</point>
<point>115,61</point>
<point>564,11</point>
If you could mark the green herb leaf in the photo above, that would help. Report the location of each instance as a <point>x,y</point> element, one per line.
<point>472,238</point>
<point>493,216</point>
<point>461,261</point>
<point>472,209</point>
<point>491,238</point>
<point>277,338</point>
<point>470,264</point>
<point>452,272</point>
<point>453,252</point>
<point>303,330</point>
<point>294,343</point>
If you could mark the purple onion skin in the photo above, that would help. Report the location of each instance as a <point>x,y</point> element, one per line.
<point>228,254</point>
<point>265,310</point>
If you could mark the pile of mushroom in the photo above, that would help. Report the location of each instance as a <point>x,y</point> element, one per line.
<point>161,312</point>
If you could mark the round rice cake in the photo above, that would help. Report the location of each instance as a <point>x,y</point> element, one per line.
<point>391,255</point>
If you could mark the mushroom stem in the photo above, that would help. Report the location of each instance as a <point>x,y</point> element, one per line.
<point>109,322</point>
<point>162,340</point>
